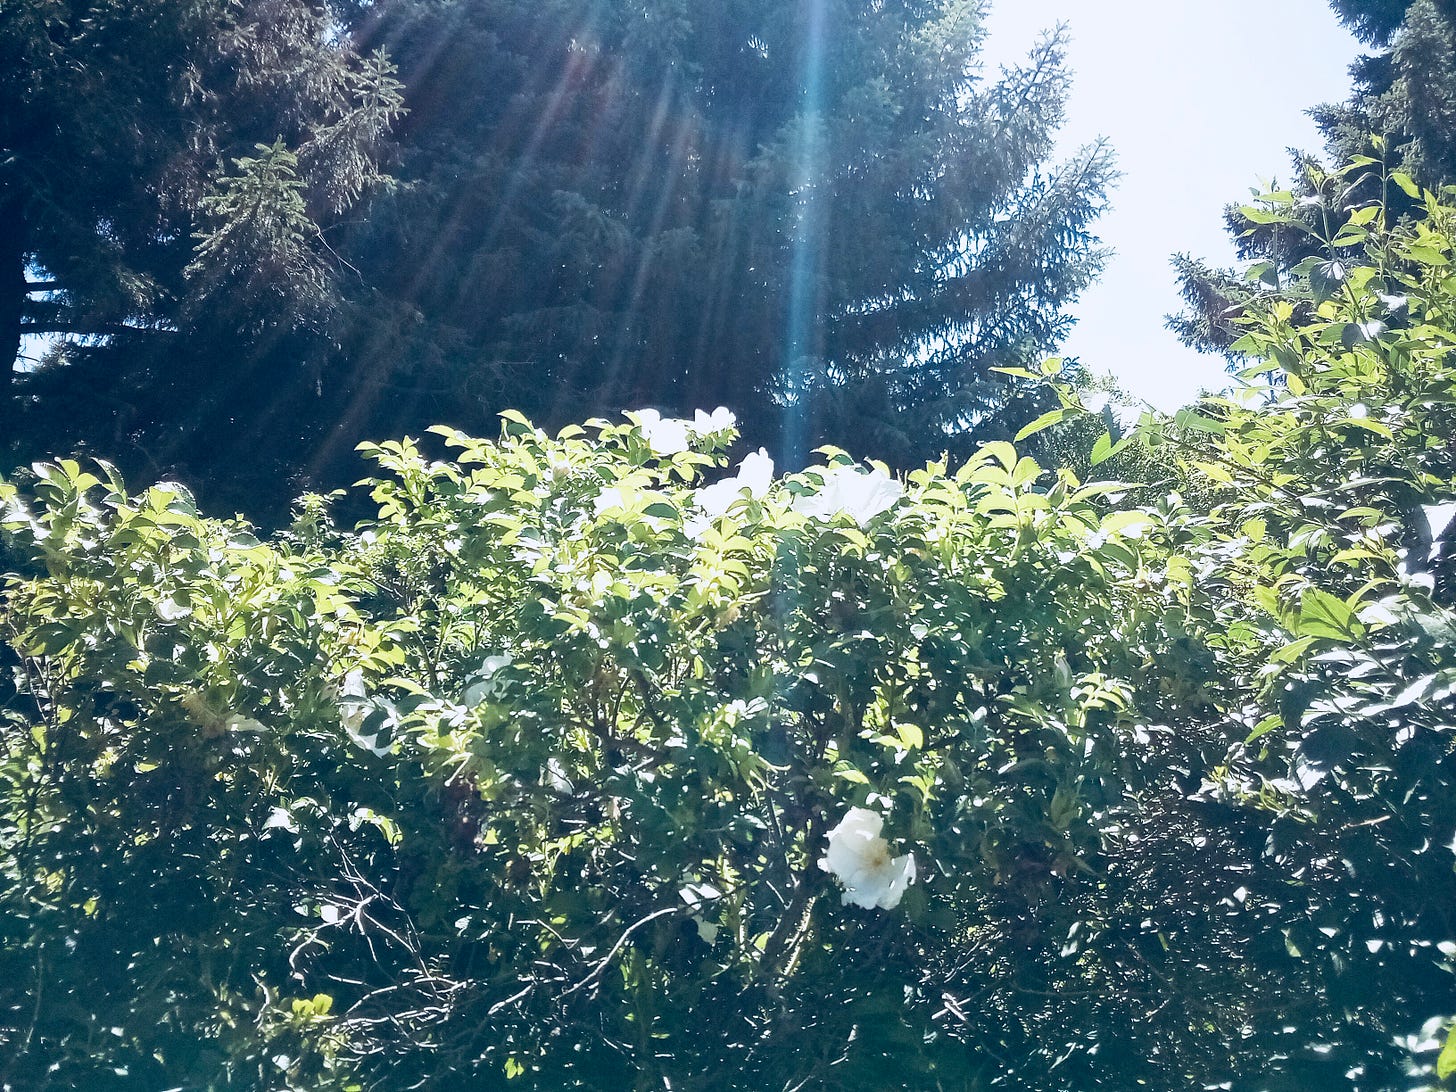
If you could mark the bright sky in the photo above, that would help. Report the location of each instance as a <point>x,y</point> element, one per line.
<point>1200,101</point>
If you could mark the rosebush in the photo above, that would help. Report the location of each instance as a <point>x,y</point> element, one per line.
<point>524,779</point>
<point>530,778</point>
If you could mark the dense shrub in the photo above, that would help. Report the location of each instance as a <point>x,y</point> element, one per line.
<point>548,774</point>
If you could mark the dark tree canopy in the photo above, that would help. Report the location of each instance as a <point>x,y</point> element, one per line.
<point>1373,21</point>
<point>169,166</point>
<point>824,215</point>
<point>1406,91</point>
<point>826,205</point>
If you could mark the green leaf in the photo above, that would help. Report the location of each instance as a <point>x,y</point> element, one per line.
<point>1026,471</point>
<point>1369,426</point>
<point>1292,652</point>
<point>514,423</point>
<point>1325,278</point>
<point>1446,1061</point>
<point>1426,255</point>
<point>1264,727</point>
<point>910,736</point>
<point>1361,333</point>
<point>1114,522</point>
<point>1268,598</point>
<point>1323,615</point>
<point>1256,215</point>
<point>1045,421</point>
<point>1404,181</point>
<point>1264,273</point>
<point>1216,471</point>
<point>1194,421</point>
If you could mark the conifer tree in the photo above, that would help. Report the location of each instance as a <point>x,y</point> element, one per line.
<point>822,214</point>
<point>1404,91</point>
<point>134,201</point>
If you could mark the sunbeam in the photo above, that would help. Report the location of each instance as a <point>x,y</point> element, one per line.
<point>807,241</point>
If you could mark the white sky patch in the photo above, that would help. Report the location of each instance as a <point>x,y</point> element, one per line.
<point>1200,102</point>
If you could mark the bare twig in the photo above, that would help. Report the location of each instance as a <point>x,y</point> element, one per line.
<point>606,960</point>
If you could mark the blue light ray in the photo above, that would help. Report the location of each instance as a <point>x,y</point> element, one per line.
<point>806,247</point>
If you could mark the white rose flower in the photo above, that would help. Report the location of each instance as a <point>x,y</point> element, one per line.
<point>664,435</point>
<point>717,498</point>
<point>848,491</point>
<point>719,420</point>
<point>755,473</point>
<point>860,860</point>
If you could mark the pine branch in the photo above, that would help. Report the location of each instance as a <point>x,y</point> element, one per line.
<point>102,329</point>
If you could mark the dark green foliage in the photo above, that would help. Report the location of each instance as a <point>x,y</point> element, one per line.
<point>525,783</point>
<point>1279,253</point>
<point>1343,778</point>
<point>1406,93</point>
<point>819,214</point>
<point>1373,21</point>
<point>1213,301</point>
<point>170,168</point>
